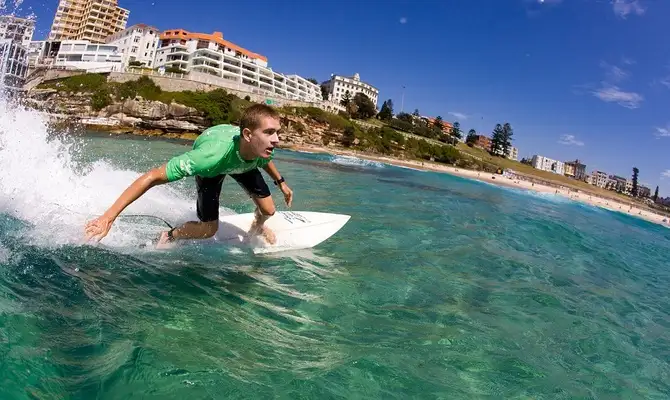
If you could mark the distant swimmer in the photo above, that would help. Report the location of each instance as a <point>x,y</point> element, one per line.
<point>219,151</point>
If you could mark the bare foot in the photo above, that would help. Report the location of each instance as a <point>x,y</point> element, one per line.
<point>269,235</point>
<point>265,232</point>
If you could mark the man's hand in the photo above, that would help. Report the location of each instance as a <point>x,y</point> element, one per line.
<point>98,227</point>
<point>288,193</point>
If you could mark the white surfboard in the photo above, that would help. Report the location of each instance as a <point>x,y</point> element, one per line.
<point>294,230</point>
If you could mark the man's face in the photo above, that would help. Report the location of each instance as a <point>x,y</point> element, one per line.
<point>264,138</point>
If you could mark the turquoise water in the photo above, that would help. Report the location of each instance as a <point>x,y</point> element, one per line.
<point>437,288</point>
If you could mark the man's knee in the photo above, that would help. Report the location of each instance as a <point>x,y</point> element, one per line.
<point>266,208</point>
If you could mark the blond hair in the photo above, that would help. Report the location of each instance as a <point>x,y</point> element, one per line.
<point>253,115</point>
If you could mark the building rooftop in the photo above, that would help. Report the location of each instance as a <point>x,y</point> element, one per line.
<point>216,37</point>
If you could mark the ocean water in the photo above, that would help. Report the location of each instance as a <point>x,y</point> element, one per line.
<point>438,287</point>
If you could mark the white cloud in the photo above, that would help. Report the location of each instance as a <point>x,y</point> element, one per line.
<point>570,140</point>
<point>623,8</point>
<point>613,94</point>
<point>614,73</point>
<point>665,174</point>
<point>458,115</point>
<point>403,20</point>
<point>627,61</point>
<point>662,132</point>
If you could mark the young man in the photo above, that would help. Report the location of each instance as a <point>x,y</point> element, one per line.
<point>219,151</point>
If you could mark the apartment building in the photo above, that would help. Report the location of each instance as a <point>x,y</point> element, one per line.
<point>339,85</point>
<point>447,127</point>
<point>575,169</point>
<point>643,191</point>
<point>616,183</point>
<point>136,44</point>
<point>18,30</point>
<point>211,54</point>
<point>512,153</point>
<point>13,64</point>
<point>598,178</point>
<point>15,36</point>
<point>548,164</point>
<point>92,20</point>
<point>76,54</point>
<point>483,142</point>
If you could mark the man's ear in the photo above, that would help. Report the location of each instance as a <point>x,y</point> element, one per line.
<point>246,134</point>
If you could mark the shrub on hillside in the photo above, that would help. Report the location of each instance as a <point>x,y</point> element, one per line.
<point>100,99</point>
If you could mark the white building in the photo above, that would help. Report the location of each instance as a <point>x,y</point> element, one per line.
<point>338,85</point>
<point>598,178</point>
<point>13,64</point>
<point>76,54</point>
<point>512,153</point>
<point>136,44</point>
<point>16,29</point>
<point>213,55</point>
<point>91,20</point>
<point>547,164</point>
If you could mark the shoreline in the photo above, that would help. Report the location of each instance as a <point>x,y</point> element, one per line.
<point>486,177</point>
<point>499,180</point>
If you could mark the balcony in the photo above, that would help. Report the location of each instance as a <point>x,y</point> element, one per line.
<point>207,70</point>
<point>232,61</point>
<point>207,64</point>
<point>232,70</point>
<point>250,82</point>
<point>248,68</point>
<point>231,77</point>
<point>207,53</point>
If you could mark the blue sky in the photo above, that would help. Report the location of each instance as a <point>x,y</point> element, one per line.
<point>587,79</point>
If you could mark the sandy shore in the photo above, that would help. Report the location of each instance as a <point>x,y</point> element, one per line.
<point>495,179</point>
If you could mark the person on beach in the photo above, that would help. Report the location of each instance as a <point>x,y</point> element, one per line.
<point>219,151</point>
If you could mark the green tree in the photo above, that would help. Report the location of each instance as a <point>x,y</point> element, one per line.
<point>348,136</point>
<point>314,81</point>
<point>416,113</point>
<point>635,173</point>
<point>471,138</point>
<point>438,123</point>
<point>386,112</point>
<point>346,99</point>
<point>456,130</point>
<point>656,195</point>
<point>405,117</point>
<point>497,140</point>
<point>365,108</point>
<point>508,132</point>
<point>324,92</point>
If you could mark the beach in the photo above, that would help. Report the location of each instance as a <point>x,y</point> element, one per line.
<point>501,180</point>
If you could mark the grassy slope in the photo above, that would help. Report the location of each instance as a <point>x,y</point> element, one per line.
<point>221,107</point>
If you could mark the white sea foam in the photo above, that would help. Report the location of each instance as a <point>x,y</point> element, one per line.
<point>355,161</point>
<point>42,185</point>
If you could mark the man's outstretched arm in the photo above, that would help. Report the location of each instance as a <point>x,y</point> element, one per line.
<point>100,226</point>
<point>271,169</point>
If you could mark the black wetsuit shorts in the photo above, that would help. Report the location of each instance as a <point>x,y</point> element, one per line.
<point>209,190</point>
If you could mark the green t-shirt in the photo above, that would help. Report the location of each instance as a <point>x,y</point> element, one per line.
<point>216,151</point>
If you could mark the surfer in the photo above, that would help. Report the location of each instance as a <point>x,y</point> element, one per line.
<point>219,151</point>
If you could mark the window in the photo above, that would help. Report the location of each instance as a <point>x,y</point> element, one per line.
<point>136,39</point>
